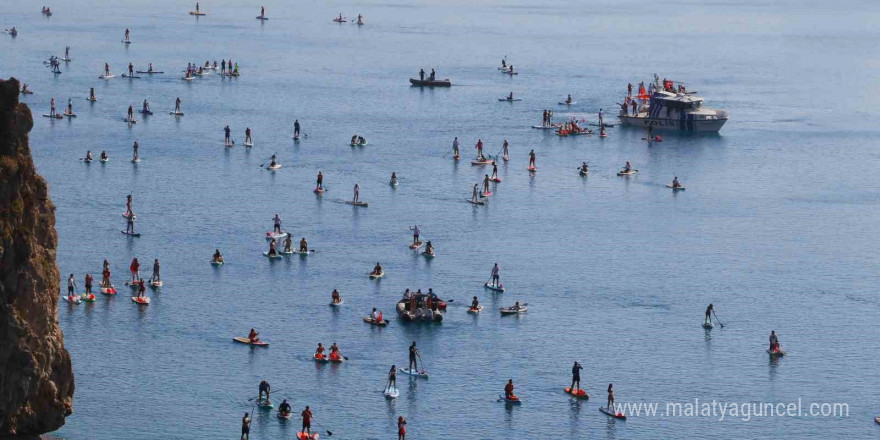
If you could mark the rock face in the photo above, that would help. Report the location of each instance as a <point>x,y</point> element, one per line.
<point>36,377</point>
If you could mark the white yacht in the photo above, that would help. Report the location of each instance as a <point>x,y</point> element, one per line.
<point>667,109</point>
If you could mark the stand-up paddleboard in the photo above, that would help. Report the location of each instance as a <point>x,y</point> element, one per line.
<point>374,276</point>
<point>75,299</point>
<point>545,127</point>
<point>475,310</point>
<point>481,162</point>
<point>108,290</point>
<point>88,297</point>
<point>27,92</point>
<point>272,257</point>
<point>154,72</point>
<point>676,188</point>
<point>510,100</point>
<point>506,158</point>
<point>156,284</point>
<point>513,311</point>
<point>125,75</point>
<point>394,183</point>
<point>777,353</point>
<point>319,190</point>
<point>337,304</point>
<point>107,76</point>
<point>627,173</point>
<point>708,325</point>
<point>197,14</point>
<point>429,255</point>
<point>495,179</point>
<point>607,125</point>
<point>503,398</point>
<point>274,167</point>
<point>285,416</point>
<point>416,245</point>
<point>247,341</point>
<point>620,416</point>
<point>498,288</point>
<point>392,392</point>
<point>580,394</point>
<point>416,372</point>
<point>567,103</point>
<point>476,202</point>
<point>130,121</point>
<point>260,17</point>
<point>126,42</point>
<point>305,436</point>
<point>92,99</point>
<point>303,254</point>
<point>138,160</point>
<point>178,114</point>
<point>509,72</point>
<point>533,168</point>
<point>286,252</point>
<point>275,236</point>
<point>361,204</point>
<point>187,78</point>
<point>143,301</point>
<point>486,193</point>
<point>145,112</point>
<point>131,234</point>
<point>56,116</point>
<point>104,160</point>
<point>216,263</point>
<point>369,320</point>
<point>69,115</point>
<point>246,143</point>
<point>265,404</point>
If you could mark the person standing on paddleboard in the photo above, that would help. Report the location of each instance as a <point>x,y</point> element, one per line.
<point>307,420</point>
<point>413,353</point>
<point>357,190</point>
<point>576,377</point>
<point>392,378</point>
<point>401,428</point>
<point>246,427</point>
<point>142,289</point>
<point>504,152</point>
<point>156,278</point>
<point>88,283</point>
<point>130,114</point>
<point>774,341</point>
<point>416,233</point>
<point>610,404</point>
<point>532,159</point>
<point>486,184</point>
<point>264,388</point>
<point>708,319</point>
<point>226,130</point>
<point>135,156</point>
<point>288,244</point>
<point>71,286</point>
<point>475,197</point>
<point>177,105</point>
<point>277,228</point>
<point>455,153</point>
<point>296,128</point>
<point>134,268</point>
<point>320,183</point>
<point>129,225</point>
<point>495,278</point>
<point>479,147</point>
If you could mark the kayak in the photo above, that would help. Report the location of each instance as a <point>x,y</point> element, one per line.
<point>274,236</point>
<point>75,300</point>
<point>627,173</point>
<point>417,373</point>
<point>272,257</point>
<point>156,284</point>
<point>392,392</point>
<point>144,301</point>
<point>581,394</point>
<point>676,188</point>
<point>57,116</point>
<point>510,100</point>
<point>361,204</point>
<point>321,358</point>
<point>416,245</point>
<point>107,76</point>
<point>476,202</point>
<point>513,311</point>
<point>369,320</point>
<point>108,290</point>
<point>611,414</point>
<point>304,436</point>
<point>337,304</point>
<point>429,83</point>
<point>148,72</point>
<point>249,342</point>
<point>708,325</point>
<point>337,360</point>
<point>475,310</point>
<point>374,276</point>
<point>131,234</point>
<point>777,353</point>
<point>498,288</point>
<point>515,401</point>
<point>567,103</point>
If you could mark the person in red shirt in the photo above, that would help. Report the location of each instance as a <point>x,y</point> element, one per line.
<point>401,428</point>
<point>307,421</point>
<point>134,268</point>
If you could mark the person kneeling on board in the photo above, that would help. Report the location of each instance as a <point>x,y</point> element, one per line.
<point>303,245</point>
<point>254,336</point>
<point>217,258</point>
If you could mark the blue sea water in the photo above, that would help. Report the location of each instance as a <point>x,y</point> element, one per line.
<point>777,227</point>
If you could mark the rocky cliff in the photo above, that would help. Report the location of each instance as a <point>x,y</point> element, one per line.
<point>36,377</point>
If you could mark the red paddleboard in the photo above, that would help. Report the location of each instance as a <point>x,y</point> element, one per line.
<point>304,436</point>
<point>108,290</point>
<point>319,190</point>
<point>581,394</point>
<point>487,193</point>
<point>496,179</point>
<point>144,301</point>
<point>533,168</point>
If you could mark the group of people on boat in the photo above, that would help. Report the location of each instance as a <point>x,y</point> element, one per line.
<point>431,77</point>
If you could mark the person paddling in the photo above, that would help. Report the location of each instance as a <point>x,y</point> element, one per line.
<point>254,336</point>
<point>508,391</point>
<point>357,193</point>
<point>307,421</point>
<point>217,258</point>
<point>576,378</point>
<point>303,246</point>
<point>92,94</point>
<point>247,136</point>
<point>377,269</point>
<point>228,139</point>
<point>246,427</point>
<point>393,178</point>
<point>284,408</point>
<point>288,244</point>
<point>675,182</point>
<point>272,248</point>
<point>475,304</point>
<point>486,184</point>
<point>609,406</point>
<point>707,320</point>
<point>156,278</point>
<point>319,352</point>
<point>264,388</point>
<point>532,159</point>
<point>134,268</point>
<point>416,233</point>
<point>296,129</point>
<point>475,197</point>
<point>495,278</point>
<point>429,248</point>
<point>277,224</point>
<point>71,287</point>
<point>479,147</point>
<point>177,106</point>
<point>320,183</point>
<point>142,289</point>
<point>505,154</point>
<point>392,378</point>
<point>413,353</point>
<point>335,354</point>
<point>774,342</point>
<point>130,114</point>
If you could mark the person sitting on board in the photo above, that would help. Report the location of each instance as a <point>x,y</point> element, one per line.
<point>429,248</point>
<point>357,193</point>
<point>272,163</point>
<point>455,152</point>
<point>287,244</point>
<point>335,297</point>
<point>307,421</point>
<point>510,97</point>
<point>585,168</point>
<point>516,306</point>
<point>272,250</point>
<point>568,100</point>
<point>413,353</point>
<point>284,408</point>
<point>609,405</point>
<point>475,304</point>
<point>254,336</point>
<point>24,88</point>
<point>217,258</point>
<point>508,391</point>
<point>377,269</point>
<point>319,353</point>
<point>303,246</point>
<point>707,320</point>
<point>362,140</point>
<point>335,355</point>
<point>277,221</point>
<point>675,182</point>
<point>503,63</point>
<point>264,388</point>
<point>774,342</point>
<point>627,168</point>
<point>354,139</point>
<point>393,178</point>
<point>476,195</point>
<point>215,65</point>
<point>575,377</point>
<point>88,157</point>
<point>374,315</point>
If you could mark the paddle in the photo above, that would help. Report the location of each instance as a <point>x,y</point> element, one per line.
<point>716,318</point>
<point>329,433</point>
<point>422,362</point>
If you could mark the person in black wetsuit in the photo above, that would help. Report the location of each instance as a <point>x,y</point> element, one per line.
<point>284,408</point>
<point>264,388</point>
<point>576,377</point>
<point>422,74</point>
<point>227,130</point>
<point>246,427</point>
<point>413,352</point>
<point>296,128</point>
